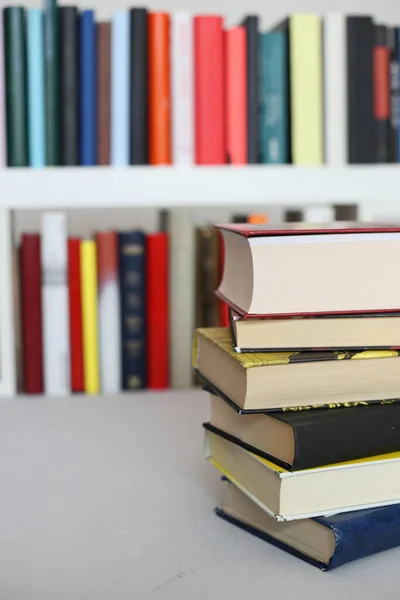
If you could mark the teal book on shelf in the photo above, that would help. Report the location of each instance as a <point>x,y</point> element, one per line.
<point>36,99</point>
<point>274,98</point>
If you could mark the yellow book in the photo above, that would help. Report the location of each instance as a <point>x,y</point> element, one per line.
<point>305,34</point>
<point>89,317</point>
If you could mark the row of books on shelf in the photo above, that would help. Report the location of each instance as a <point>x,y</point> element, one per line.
<point>305,390</point>
<point>157,88</point>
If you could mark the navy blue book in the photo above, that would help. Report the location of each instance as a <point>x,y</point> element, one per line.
<point>88,103</point>
<point>324,542</point>
<point>132,271</point>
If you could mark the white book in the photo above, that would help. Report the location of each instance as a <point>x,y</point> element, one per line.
<point>182,77</point>
<point>318,214</point>
<point>7,342</point>
<point>335,84</point>
<point>54,262</point>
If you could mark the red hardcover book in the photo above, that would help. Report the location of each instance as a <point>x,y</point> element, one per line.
<point>236,95</point>
<point>75,314</point>
<point>31,314</point>
<point>157,310</point>
<point>209,90</point>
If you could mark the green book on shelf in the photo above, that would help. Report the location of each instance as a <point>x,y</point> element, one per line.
<point>16,86</point>
<point>52,94</point>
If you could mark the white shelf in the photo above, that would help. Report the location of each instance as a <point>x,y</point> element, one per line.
<point>376,188</point>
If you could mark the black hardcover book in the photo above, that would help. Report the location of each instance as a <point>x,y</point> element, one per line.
<point>69,86</point>
<point>139,88</point>
<point>251,25</point>
<point>132,270</point>
<point>393,41</point>
<point>361,126</point>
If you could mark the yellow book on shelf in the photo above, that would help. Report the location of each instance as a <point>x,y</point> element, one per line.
<point>89,317</point>
<point>305,34</point>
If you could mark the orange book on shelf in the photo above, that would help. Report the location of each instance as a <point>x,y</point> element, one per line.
<point>159,89</point>
<point>257,219</point>
<point>236,95</point>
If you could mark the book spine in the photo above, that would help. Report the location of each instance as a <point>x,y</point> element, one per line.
<point>381,94</point>
<point>16,276</point>
<point>88,100</point>
<point>139,87</point>
<point>109,312</point>
<point>16,87</point>
<point>159,90</point>
<point>209,90</point>
<point>52,96</point>
<point>31,314</point>
<point>361,125</point>
<point>305,59</point>
<point>3,126</point>
<point>69,86</point>
<point>182,78</point>
<point>274,98</point>
<point>54,261</point>
<point>394,93</point>
<point>120,88</point>
<point>335,81</point>
<point>103,92</point>
<point>133,309</point>
<point>157,311</point>
<point>8,333</point>
<point>75,314</point>
<point>36,116</point>
<point>89,317</point>
<point>252,87</point>
<point>236,95</point>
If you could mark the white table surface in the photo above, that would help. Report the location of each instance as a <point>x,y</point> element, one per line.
<point>111,499</point>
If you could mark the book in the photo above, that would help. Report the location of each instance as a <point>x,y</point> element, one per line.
<point>236,95</point>
<point>103,92</point>
<point>381,92</point>
<point>347,332</point>
<point>324,542</point>
<point>55,303</point>
<point>159,89</point>
<point>16,305</point>
<point>52,79</point>
<point>207,276</point>
<point>250,23</point>
<point>9,334</point>
<point>157,310</point>
<point>109,319</point>
<point>75,315</point>
<point>264,266</point>
<point>209,90</point>
<point>306,439</point>
<point>31,314</point>
<point>3,123</point>
<point>87,85</point>
<point>69,86</point>
<point>36,116</point>
<point>120,51</point>
<point>16,86</point>
<point>132,272</point>
<point>327,490</point>
<point>139,147</point>
<point>89,317</point>
<point>182,88</point>
<point>394,47</point>
<point>281,380</point>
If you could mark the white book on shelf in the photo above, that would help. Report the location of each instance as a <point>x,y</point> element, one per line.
<point>54,264</point>
<point>335,92</point>
<point>182,83</point>
<point>7,339</point>
<point>318,214</point>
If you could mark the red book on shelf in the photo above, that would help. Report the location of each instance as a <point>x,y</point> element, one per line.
<point>157,310</point>
<point>382,100</point>
<point>209,90</point>
<point>31,314</point>
<point>236,95</point>
<point>75,314</point>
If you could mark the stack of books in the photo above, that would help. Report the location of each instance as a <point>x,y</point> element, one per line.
<point>305,388</point>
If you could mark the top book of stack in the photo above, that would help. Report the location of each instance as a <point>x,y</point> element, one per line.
<point>310,270</point>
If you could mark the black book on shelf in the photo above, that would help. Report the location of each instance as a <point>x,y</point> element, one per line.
<point>250,23</point>
<point>69,86</point>
<point>138,88</point>
<point>394,47</point>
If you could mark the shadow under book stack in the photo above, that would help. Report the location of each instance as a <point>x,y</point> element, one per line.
<point>305,388</point>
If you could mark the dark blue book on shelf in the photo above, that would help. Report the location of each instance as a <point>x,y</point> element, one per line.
<point>132,272</point>
<point>324,542</point>
<point>88,93</point>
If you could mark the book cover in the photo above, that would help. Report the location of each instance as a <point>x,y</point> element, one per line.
<point>16,86</point>
<point>3,126</point>
<point>88,87</point>
<point>250,23</point>
<point>120,51</point>
<point>69,86</point>
<point>103,92</point>
<point>159,89</point>
<point>109,319</point>
<point>75,315</point>
<point>52,80</point>
<point>36,116</point>
<point>89,317</point>
<point>381,94</point>
<point>132,273</point>
<point>250,230</point>
<point>139,146</point>
<point>236,95</point>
